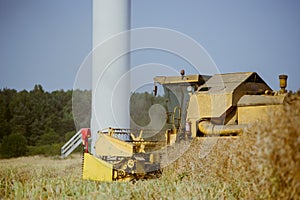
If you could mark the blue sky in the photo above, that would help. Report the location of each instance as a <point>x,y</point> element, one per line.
<point>45,41</point>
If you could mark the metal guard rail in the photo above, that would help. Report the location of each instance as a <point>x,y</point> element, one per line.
<point>71,145</point>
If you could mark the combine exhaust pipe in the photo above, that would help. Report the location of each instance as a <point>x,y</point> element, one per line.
<point>208,128</point>
<point>283,83</point>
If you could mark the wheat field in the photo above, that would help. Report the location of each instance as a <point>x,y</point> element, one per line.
<point>263,163</point>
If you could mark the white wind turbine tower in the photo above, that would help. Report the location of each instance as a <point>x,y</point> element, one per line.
<point>110,17</point>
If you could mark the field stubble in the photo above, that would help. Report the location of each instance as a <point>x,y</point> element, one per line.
<point>261,164</point>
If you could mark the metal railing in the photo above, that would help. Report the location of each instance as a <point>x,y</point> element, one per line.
<point>71,145</point>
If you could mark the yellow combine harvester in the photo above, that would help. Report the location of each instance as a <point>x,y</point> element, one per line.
<point>198,106</point>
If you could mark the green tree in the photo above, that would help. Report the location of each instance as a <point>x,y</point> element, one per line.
<point>13,145</point>
<point>49,137</point>
<point>6,96</point>
<point>41,118</point>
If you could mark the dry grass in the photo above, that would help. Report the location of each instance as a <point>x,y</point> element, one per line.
<point>264,163</point>
<point>261,164</point>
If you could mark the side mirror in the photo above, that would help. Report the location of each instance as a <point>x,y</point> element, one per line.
<point>155,90</point>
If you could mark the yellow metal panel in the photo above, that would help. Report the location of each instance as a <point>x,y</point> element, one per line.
<point>255,100</point>
<point>96,169</point>
<point>251,114</point>
<point>109,146</point>
<point>193,108</point>
<point>193,114</point>
<point>213,105</point>
<point>178,79</point>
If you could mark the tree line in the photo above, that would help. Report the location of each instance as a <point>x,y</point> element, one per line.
<point>40,122</point>
<point>34,122</point>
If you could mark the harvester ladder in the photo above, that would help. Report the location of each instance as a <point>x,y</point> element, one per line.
<point>71,145</point>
